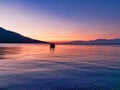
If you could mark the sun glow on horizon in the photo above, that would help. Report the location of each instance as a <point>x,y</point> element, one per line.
<point>61,21</point>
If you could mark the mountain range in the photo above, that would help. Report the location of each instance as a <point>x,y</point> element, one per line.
<point>7,36</point>
<point>97,42</point>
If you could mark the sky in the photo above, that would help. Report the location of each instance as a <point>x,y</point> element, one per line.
<point>62,20</point>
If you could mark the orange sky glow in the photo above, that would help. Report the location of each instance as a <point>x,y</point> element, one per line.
<point>57,25</point>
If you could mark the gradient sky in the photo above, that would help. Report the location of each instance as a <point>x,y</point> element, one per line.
<point>62,20</point>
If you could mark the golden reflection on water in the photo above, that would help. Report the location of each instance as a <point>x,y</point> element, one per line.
<point>31,63</point>
<point>38,51</point>
<point>5,52</point>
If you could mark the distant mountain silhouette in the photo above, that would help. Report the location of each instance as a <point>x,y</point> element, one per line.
<point>13,37</point>
<point>97,42</point>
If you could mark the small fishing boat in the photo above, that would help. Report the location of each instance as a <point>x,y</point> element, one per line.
<point>52,45</point>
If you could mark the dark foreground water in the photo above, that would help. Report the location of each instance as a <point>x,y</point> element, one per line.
<point>68,67</point>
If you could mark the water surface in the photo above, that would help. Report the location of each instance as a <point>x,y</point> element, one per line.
<point>67,67</point>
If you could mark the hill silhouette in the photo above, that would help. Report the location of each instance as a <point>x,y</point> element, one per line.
<point>98,42</point>
<point>7,36</point>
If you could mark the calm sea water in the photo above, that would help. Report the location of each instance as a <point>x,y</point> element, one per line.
<point>67,67</point>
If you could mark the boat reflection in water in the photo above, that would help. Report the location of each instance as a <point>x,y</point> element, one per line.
<point>52,48</point>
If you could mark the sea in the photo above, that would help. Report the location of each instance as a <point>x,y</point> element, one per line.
<point>65,67</point>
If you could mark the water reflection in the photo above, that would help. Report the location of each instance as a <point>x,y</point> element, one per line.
<point>73,67</point>
<point>5,52</point>
<point>52,48</point>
